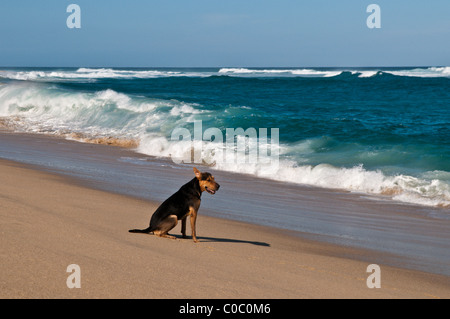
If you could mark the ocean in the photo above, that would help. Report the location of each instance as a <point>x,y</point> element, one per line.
<point>376,131</point>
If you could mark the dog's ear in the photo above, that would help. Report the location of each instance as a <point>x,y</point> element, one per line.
<point>198,174</point>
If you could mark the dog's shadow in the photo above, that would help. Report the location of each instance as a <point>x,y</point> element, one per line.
<point>229,240</point>
<point>204,239</point>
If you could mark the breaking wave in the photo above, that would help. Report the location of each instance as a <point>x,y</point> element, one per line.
<point>363,73</point>
<point>279,72</point>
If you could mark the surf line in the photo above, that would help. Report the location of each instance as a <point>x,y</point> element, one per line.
<point>238,146</point>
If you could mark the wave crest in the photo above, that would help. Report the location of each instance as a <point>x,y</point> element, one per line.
<point>279,72</point>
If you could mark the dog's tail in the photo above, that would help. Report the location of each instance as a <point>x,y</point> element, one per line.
<point>143,231</point>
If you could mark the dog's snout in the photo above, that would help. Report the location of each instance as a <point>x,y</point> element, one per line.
<point>218,186</point>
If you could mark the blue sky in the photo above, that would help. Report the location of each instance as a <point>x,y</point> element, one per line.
<point>202,33</point>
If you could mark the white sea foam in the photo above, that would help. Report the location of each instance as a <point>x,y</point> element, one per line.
<point>92,74</point>
<point>417,72</point>
<point>366,74</point>
<point>114,73</point>
<point>432,72</point>
<point>279,72</point>
<point>403,188</point>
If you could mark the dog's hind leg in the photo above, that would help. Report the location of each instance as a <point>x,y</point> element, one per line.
<point>183,226</point>
<point>165,226</point>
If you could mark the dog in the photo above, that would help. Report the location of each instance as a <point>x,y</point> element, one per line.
<point>180,205</point>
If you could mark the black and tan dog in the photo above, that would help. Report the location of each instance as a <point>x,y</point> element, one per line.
<point>180,205</point>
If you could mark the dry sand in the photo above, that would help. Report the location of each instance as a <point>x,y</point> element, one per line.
<point>49,222</point>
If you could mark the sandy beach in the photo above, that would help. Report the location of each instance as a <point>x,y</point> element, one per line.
<point>49,222</point>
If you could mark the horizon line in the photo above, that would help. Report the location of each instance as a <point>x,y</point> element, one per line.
<point>219,67</point>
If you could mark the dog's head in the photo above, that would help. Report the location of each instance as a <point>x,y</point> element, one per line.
<point>206,181</point>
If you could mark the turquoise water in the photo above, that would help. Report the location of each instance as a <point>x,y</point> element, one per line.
<point>383,131</point>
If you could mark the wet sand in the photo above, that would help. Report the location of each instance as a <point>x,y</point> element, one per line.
<point>49,222</point>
